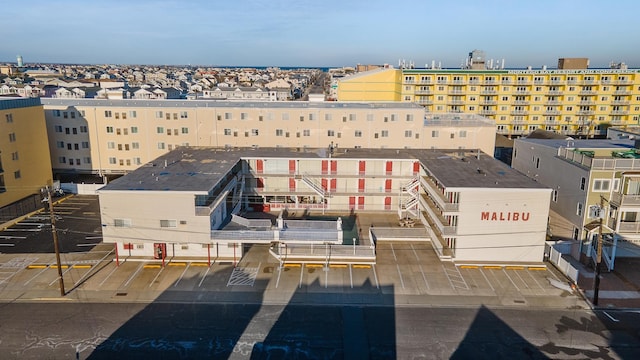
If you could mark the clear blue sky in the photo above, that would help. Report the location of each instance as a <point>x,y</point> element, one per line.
<point>319,33</point>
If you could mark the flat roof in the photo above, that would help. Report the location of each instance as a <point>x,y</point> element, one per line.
<point>200,169</point>
<point>17,102</point>
<point>581,143</point>
<point>180,103</point>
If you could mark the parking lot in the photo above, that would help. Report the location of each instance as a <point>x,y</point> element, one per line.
<point>404,271</point>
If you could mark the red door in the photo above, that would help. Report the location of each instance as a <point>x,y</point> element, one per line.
<point>416,168</point>
<point>292,166</point>
<point>360,185</point>
<point>334,185</point>
<point>387,185</point>
<point>325,167</point>
<point>259,166</point>
<point>387,203</point>
<point>334,167</point>
<point>292,184</point>
<point>360,202</point>
<point>260,184</point>
<point>389,167</point>
<point>325,183</point>
<point>361,167</point>
<point>352,202</point>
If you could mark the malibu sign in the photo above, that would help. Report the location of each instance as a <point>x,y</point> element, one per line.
<point>504,216</point>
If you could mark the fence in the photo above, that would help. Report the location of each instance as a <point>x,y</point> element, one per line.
<point>556,258</point>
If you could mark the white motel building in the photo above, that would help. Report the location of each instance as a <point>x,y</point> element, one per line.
<point>194,202</point>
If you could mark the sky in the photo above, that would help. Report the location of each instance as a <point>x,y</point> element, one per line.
<point>324,33</point>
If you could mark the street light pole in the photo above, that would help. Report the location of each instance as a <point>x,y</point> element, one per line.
<point>55,242</point>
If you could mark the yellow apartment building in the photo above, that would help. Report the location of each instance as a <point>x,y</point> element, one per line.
<point>578,102</point>
<point>117,136</point>
<point>25,164</point>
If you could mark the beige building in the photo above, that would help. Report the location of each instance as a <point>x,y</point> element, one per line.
<point>470,206</point>
<point>25,166</point>
<point>117,136</point>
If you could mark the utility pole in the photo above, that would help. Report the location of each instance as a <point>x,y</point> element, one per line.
<point>55,241</point>
<point>596,281</point>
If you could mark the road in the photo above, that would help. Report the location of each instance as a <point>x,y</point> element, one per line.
<point>221,331</point>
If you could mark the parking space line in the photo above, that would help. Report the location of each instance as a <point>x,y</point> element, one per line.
<point>133,275</point>
<point>326,277</point>
<point>301,273</point>
<point>58,277</point>
<point>204,276</point>
<point>393,252</point>
<point>399,273</point>
<point>375,276</point>
<point>521,279</point>
<point>157,275</point>
<point>351,276</point>
<point>36,275</point>
<point>108,276</point>
<point>181,275</point>
<point>424,277</point>
<point>414,252</point>
<point>487,279</point>
<point>509,277</point>
<point>9,245</point>
<point>535,280</point>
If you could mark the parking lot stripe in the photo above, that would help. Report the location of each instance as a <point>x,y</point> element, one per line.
<point>133,275</point>
<point>156,278</point>
<point>535,280</point>
<point>394,253</point>
<point>424,277</point>
<point>399,273</point>
<point>36,275</point>
<point>375,276</point>
<point>351,276</point>
<point>414,252</point>
<point>487,279</point>
<point>181,275</point>
<point>510,279</point>
<point>204,276</point>
<point>301,274</point>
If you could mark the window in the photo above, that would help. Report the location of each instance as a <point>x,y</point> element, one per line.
<point>87,160</point>
<point>306,132</point>
<point>185,130</point>
<point>76,147</point>
<point>408,133</point>
<point>358,133</point>
<point>67,131</point>
<point>69,146</point>
<point>83,129</point>
<point>135,145</point>
<point>175,116</point>
<point>327,116</point>
<point>579,209</point>
<point>312,116</point>
<point>9,118</point>
<point>183,115</point>
<point>118,131</point>
<point>161,146</point>
<point>117,115</point>
<point>167,116</point>
<point>601,184</point>
<point>124,116</point>
<point>134,129</point>
<point>85,144</point>
<point>60,144</point>
<point>384,133</point>
<point>168,223</point>
<point>16,174</point>
<point>409,117</point>
<point>56,113</point>
<point>227,132</point>
<point>279,132</point>
<point>244,116</point>
<point>159,115</point>
<point>112,160</point>
<point>228,116</point>
<point>122,222</point>
<point>616,184</point>
<point>582,183</point>
<point>285,116</point>
<point>12,137</point>
<point>254,132</point>
<point>352,117</point>
<point>331,133</point>
<point>133,114</point>
<point>369,117</point>
<point>160,130</point>
<point>111,145</point>
<point>58,128</point>
<point>110,129</point>
<point>434,133</point>
<point>125,131</point>
<point>107,113</point>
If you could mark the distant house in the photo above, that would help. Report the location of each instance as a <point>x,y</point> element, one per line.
<point>237,93</point>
